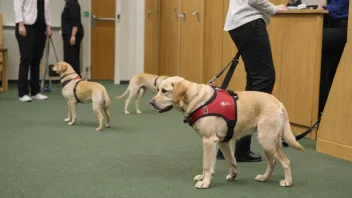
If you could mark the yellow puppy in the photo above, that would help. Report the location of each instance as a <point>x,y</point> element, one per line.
<point>76,90</point>
<point>256,112</point>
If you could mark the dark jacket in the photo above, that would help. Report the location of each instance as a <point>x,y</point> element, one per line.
<point>71,17</point>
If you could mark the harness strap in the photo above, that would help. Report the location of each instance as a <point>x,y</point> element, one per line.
<point>74,90</point>
<point>156,80</point>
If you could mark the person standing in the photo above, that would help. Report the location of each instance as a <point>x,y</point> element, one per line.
<point>334,40</point>
<point>72,33</point>
<point>33,25</point>
<point>246,23</point>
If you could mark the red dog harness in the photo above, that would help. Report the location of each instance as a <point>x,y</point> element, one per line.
<point>222,104</point>
<point>78,78</point>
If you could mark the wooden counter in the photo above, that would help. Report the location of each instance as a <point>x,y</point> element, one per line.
<point>334,135</point>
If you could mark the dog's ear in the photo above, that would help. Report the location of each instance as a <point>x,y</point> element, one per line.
<point>179,91</point>
<point>63,67</point>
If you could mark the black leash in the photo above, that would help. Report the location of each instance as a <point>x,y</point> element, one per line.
<point>302,135</point>
<point>230,72</point>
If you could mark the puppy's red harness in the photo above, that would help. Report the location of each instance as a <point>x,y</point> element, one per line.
<point>222,104</point>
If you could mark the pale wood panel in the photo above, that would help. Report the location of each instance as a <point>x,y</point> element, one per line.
<point>301,66</point>
<point>192,40</point>
<point>169,38</point>
<point>213,32</point>
<point>238,81</point>
<point>152,35</point>
<point>103,41</point>
<point>334,136</point>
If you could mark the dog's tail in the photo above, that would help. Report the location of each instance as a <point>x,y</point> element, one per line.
<point>124,94</point>
<point>106,99</point>
<point>287,133</point>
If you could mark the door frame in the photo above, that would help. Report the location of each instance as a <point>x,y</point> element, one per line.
<point>138,54</point>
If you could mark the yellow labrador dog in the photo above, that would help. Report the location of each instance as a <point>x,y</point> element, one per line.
<point>76,90</point>
<point>137,87</point>
<point>257,112</point>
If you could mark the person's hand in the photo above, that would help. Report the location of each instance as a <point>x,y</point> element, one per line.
<point>73,40</point>
<point>281,7</point>
<point>22,30</point>
<point>48,32</point>
<point>320,7</point>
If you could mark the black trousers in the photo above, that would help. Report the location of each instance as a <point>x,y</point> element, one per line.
<point>334,40</point>
<point>258,62</point>
<point>72,53</point>
<point>31,50</point>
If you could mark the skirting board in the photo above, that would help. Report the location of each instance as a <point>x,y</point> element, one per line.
<point>334,149</point>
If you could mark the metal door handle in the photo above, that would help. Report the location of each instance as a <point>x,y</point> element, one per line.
<point>95,18</point>
<point>197,13</point>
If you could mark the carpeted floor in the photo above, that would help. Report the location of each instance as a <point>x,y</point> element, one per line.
<point>148,155</point>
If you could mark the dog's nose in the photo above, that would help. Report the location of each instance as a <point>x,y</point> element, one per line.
<point>152,102</point>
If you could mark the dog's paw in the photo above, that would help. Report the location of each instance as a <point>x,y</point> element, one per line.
<point>231,177</point>
<point>285,183</point>
<point>139,112</point>
<point>127,112</point>
<point>261,178</point>
<point>67,119</point>
<point>99,129</point>
<point>107,125</point>
<point>198,178</point>
<point>202,185</point>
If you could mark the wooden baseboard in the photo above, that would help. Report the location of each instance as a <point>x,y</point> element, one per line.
<point>334,149</point>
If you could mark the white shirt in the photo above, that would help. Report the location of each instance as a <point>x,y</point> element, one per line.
<point>26,11</point>
<point>243,11</point>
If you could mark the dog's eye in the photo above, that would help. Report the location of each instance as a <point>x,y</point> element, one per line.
<point>163,91</point>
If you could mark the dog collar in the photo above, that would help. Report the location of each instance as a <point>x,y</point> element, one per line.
<point>156,80</point>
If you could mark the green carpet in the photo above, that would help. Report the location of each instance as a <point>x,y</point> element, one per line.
<point>148,155</point>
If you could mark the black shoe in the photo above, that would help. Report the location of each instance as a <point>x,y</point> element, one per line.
<point>249,157</point>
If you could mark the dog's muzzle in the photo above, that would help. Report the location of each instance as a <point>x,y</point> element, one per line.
<point>168,108</point>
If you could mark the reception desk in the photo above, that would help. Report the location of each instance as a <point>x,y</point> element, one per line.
<point>334,135</point>
<point>296,43</point>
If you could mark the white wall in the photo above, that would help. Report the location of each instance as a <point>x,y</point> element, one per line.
<point>129,39</point>
<point>313,2</point>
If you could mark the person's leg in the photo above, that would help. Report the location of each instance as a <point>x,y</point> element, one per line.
<point>71,54</point>
<point>25,44</point>
<point>257,57</point>
<point>38,49</point>
<point>334,40</point>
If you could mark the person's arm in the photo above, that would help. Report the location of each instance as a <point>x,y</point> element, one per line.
<point>264,6</point>
<point>18,7</point>
<point>337,8</point>
<point>48,19</point>
<point>74,11</point>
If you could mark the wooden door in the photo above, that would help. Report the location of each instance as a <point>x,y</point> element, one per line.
<point>152,35</point>
<point>103,40</point>
<point>192,40</point>
<point>170,38</point>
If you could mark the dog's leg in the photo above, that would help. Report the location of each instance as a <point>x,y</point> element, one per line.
<point>132,94</point>
<point>209,154</point>
<point>97,110</point>
<point>269,169</point>
<point>226,149</point>
<point>138,99</point>
<point>285,162</point>
<point>107,113</point>
<point>69,112</point>
<point>73,107</point>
